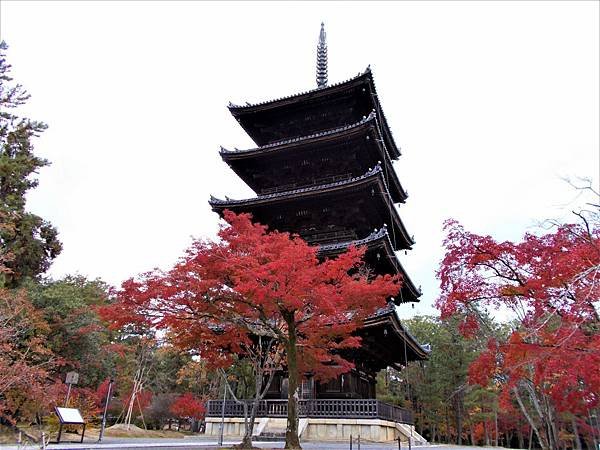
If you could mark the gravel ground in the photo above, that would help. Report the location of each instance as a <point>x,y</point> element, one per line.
<point>201,442</point>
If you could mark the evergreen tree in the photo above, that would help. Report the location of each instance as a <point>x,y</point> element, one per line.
<point>76,333</point>
<point>28,242</point>
<point>437,387</point>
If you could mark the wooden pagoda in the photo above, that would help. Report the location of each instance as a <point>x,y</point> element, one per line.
<point>322,168</point>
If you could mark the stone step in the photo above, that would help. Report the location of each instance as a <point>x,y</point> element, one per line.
<point>270,436</point>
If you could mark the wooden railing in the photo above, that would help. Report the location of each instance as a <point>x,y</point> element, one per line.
<point>320,237</point>
<point>305,184</point>
<point>339,409</point>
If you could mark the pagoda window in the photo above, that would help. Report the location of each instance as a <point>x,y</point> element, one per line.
<point>302,213</point>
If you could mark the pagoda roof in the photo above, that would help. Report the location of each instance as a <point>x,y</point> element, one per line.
<point>364,78</point>
<point>308,142</point>
<point>379,239</point>
<point>316,92</point>
<point>277,145</point>
<point>387,317</point>
<point>374,175</point>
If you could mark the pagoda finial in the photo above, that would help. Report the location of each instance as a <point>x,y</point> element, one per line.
<point>322,58</point>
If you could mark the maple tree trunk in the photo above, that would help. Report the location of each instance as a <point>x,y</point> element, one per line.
<point>247,439</point>
<point>248,427</point>
<point>249,424</point>
<point>259,393</point>
<point>292,440</point>
<point>258,396</point>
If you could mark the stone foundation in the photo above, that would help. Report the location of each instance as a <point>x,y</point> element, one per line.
<point>310,429</point>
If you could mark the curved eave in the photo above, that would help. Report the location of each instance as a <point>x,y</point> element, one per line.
<point>371,241</point>
<point>378,239</point>
<point>393,148</point>
<point>388,316</point>
<point>366,77</point>
<point>374,175</point>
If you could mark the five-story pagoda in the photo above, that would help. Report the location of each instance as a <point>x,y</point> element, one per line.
<point>323,169</point>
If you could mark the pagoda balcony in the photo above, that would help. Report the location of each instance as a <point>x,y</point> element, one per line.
<point>316,408</point>
<point>313,182</point>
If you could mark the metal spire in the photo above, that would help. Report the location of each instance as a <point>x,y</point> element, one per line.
<point>322,58</point>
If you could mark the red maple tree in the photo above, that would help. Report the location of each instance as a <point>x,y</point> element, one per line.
<point>251,283</point>
<point>188,406</point>
<point>550,282</point>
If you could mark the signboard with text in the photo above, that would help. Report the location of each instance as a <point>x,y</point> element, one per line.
<point>69,415</point>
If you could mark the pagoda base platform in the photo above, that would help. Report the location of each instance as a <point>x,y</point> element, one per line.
<point>313,429</point>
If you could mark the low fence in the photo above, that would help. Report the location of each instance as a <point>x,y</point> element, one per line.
<point>325,408</point>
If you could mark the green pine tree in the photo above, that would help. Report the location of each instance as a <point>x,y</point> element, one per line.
<point>28,242</point>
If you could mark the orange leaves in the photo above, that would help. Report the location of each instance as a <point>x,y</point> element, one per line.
<point>25,359</point>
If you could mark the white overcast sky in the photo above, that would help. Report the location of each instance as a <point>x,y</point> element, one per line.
<point>492,104</point>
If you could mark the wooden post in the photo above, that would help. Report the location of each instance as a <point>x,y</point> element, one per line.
<point>399,443</point>
<point>358,442</point>
<point>350,442</point>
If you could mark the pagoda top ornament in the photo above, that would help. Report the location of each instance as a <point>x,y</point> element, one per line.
<point>322,58</point>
